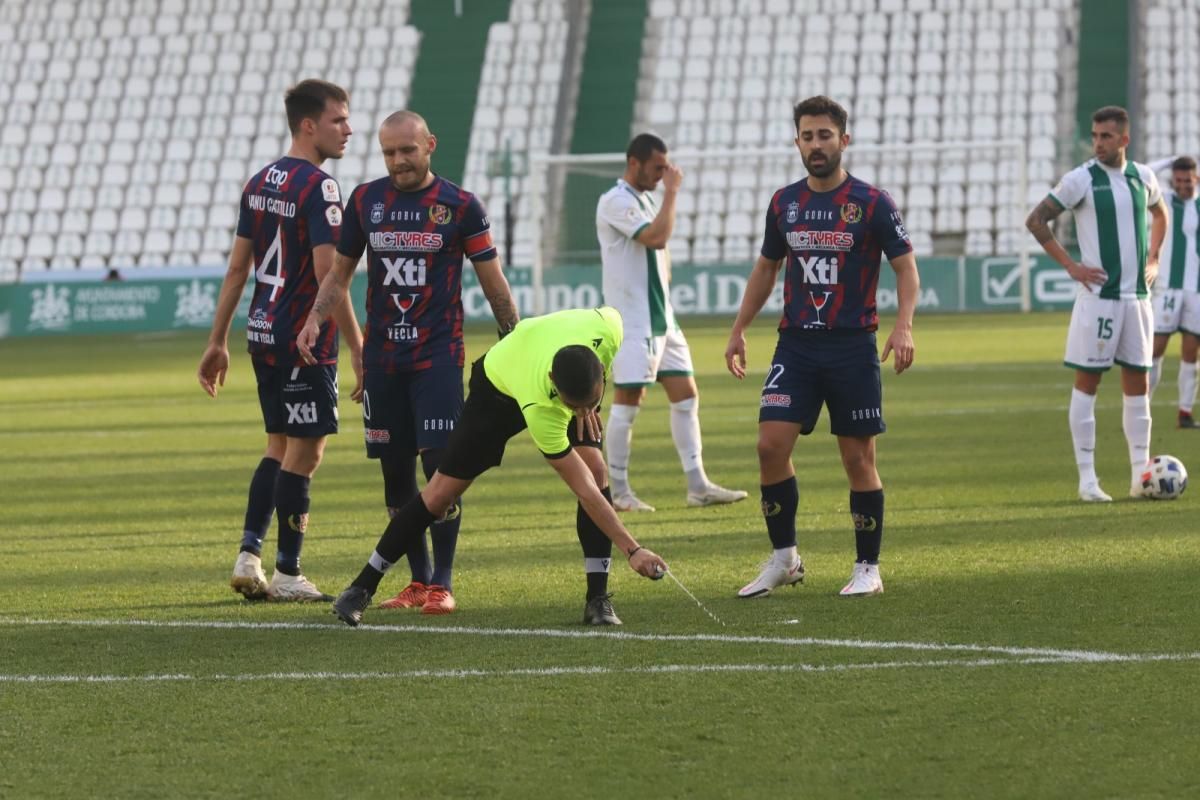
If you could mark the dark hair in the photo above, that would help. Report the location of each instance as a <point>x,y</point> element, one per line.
<point>645,145</point>
<point>577,371</point>
<point>307,99</point>
<point>818,106</point>
<point>1112,114</point>
<point>1184,164</point>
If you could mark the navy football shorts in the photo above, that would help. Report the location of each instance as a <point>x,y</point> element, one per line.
<point>300,401</point>
<point>489,419</point>
<point>406,412</point>
<point>836,369</point>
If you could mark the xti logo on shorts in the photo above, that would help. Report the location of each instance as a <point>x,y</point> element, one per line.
<point>301,413</point>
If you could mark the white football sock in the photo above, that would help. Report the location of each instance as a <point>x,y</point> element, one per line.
<point>685,430</point>
<point>379,563</point>
<point>596,564</point>
<point>619,436</point>
<point>1135,420</point>
<point>785,556</point>
<point>1155,374</point>
<point>1082,416</point>
<point>1187,386</point>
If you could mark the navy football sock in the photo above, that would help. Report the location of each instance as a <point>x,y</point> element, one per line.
<point>866,509</point>
<point>597,549</point>
<point>400,486</point>
<point>410,521</point>
<point>260,506</point>
<point>444,532</point>
<point>779,504</point>
<point>291,509</point>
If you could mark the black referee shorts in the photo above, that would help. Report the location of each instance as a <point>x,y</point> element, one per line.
<point>489,419</point>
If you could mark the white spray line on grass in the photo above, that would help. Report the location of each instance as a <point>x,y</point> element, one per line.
<point>1096,656</point>
<point>552,672</point>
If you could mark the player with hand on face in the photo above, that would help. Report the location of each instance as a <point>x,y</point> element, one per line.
<point>291,215</point>
<point>415,228</point>
<point>831,230</point>
<point>633,230</point>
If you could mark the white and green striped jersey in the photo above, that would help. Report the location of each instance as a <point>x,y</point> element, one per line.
<point>1111,222</point>
<point>636,278</point>
<point>1179,267</point>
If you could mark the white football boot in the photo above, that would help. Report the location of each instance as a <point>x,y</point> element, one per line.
<point>630,502</point>
<point>295,589</point>
<point>1091,492</point>
<point>248,577</point>
<point>714,495</point>
<point>774,574</point>
<point>864,580</point>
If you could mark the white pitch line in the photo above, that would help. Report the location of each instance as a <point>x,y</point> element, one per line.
<point>534,672</point>
<point>1096,656</point>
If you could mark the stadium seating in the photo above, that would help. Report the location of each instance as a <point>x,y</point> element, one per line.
<point>515,107</point>
<point>723,74</point>
<point>132,125</point>
<point>1171,78</point>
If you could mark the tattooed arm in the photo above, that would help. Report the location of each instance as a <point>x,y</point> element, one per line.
<point>499,295</point>
<point>1038,223</point>
<point>335,289</point>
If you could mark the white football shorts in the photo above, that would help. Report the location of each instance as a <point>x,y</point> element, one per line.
<point>1176,310</point>
<point>642,360</point>
<point>1104,332</point>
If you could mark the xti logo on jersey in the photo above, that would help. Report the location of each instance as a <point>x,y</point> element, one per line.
<point>415,243</point>
<point>833,243</point>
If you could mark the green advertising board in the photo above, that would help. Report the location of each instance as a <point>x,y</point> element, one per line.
<point>947,285</point>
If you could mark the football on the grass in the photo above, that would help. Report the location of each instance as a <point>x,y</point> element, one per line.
<point>1165,478</point>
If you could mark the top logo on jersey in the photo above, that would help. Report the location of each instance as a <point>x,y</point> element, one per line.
<point>377,213</point>
<point>439,214</point>
<point>329,190</point>
<point>793,212</point>
<point>277,177</point>
<point>852,213</point>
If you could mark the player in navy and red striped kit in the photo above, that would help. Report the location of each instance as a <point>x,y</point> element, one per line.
<point>415,227</point>
<point>291,214</point>
<point>833,230</point>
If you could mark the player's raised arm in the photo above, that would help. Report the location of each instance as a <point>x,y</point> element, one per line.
<point>498,293</point>
<point>656,235</point>
<point>334,291</point>
<point>215,361</point>
<point>758,290</point>
<point>576,475</point>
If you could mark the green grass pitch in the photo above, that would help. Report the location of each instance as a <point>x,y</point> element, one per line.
<point>1028,645</point>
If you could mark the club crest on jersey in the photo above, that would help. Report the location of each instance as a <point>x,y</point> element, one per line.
<point>439,214</point>
<point>793,212</point>
<point>377,213</point>
<point>851,213</point>
<point>329,190</point>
